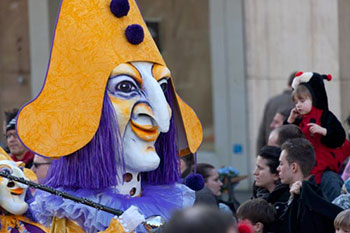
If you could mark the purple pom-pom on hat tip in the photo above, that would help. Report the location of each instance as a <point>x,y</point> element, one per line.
<point>120,8</point>
<point>134,33</point>
<point>195,182</point>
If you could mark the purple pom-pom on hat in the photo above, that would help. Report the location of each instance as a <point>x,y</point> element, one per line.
<point>134,33</point>
<point>120,8</point>
<point>195,182</point>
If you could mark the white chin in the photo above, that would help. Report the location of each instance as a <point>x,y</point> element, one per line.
<point>137,153</point>
<point>15,208</point>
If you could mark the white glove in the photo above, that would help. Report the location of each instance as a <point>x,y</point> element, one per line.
<point>131,218</point>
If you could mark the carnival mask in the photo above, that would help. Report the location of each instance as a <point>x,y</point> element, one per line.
<point>12,194</point>
<point>135,90</point>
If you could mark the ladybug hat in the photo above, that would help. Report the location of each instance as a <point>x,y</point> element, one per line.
<point>314,83</point>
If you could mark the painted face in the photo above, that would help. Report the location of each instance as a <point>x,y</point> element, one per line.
<point>303,105</point>
<point>13,143</point>
<point>12,194</point>
<point>285,169</point>
<point>263,176</point>
<point>213,182</point>
<point>136,91</point>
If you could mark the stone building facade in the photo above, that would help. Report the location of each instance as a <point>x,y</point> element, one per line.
<point>227,57</point>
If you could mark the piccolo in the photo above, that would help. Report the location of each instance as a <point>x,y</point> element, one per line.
<point>62,194</point>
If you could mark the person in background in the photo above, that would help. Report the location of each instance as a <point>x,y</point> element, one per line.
<point>342,222</point>
<point>40,167</point>
<point>259,212</point>
<point>283,100</point>
<point>200,218</point>
<point>267,183</point>
<point>308,210</point>
<point>280,116</point>
<point>17,150</point>
<point>346,152</point>
<point>281,134</point>
<point>186,164</point>
<point>212,185</point>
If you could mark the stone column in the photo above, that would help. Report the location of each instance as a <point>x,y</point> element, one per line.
<point>283,36</point>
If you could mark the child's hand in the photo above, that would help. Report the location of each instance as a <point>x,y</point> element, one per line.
<point>315,128</point>
<point>294,114</point>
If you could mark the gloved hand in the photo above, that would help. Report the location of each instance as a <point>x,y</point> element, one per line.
<point>131,218</point>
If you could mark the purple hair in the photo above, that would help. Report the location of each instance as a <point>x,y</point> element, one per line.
<point>168,171</point>
<point>95,165</point>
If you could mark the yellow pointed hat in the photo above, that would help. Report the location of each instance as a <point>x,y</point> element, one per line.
<point>91,38</point>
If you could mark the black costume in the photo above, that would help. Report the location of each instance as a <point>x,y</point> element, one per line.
<point>309,212</point>
<point>329,155</point>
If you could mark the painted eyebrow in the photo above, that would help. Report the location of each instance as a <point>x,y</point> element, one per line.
<point>128,69</point>
<point>160,72</point>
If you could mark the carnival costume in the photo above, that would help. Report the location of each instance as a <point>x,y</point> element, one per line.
<point>110,116</point>
<point>15,217</point>
<point>329,155</point>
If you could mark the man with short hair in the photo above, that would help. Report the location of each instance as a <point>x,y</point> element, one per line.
<point>281,134</point>
<point>296,161</point>
<point>17,150</point>
<point>308,211</point>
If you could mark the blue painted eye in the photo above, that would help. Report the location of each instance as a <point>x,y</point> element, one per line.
<point>163,84</point>
<point>125,86</point>
<point>122,85</point>
<point>6,170</point>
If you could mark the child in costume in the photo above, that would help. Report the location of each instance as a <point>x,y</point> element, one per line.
<point>320,127</point>
<point>110,116</point>
<point>14,214</point>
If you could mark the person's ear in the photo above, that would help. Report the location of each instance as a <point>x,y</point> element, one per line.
<point>259,227</point>
<point>295,167</point>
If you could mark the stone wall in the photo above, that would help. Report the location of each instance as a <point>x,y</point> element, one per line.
<point>14,56</point>
<point>284,36</point>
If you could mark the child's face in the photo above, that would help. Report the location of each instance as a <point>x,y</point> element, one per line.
<point>338,230</point>
<point>303,105</point>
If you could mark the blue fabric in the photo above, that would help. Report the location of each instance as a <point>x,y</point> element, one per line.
<point>155,200</point>
<point>343,201</point>
<point>331,184</point>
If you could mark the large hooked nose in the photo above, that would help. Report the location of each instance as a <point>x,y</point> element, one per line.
<point>158,103</point>
<point>151,116</point>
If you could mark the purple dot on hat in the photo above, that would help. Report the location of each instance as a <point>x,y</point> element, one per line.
<point>120,8</point>
<point>134,34</point>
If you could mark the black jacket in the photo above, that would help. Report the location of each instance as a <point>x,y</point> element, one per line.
<point>279,199</point>
<point>309,212</point>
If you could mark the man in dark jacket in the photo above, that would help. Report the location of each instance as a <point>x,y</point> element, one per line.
<point>267,184</point>
<point>307,211</point>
